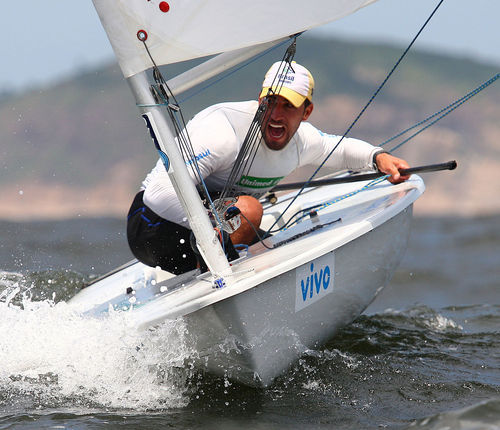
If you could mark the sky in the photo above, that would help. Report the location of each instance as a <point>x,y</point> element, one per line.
<point>46,40</point>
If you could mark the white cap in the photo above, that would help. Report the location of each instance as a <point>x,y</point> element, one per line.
<point>294,82</point>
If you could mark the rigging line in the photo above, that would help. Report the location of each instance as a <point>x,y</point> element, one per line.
<point>240,159</point>
<point>250,145</point>
<point>184,142</point>
<point>448,109</point>
<point>183,138</point>
<point>318,207</point>
<point>178,124</point>
<point>306,232</point>
<point>296,217</point>
<point>427,126</point>
<point>362,110</point>
<point>248,151</point>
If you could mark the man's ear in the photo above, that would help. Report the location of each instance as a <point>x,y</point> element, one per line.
<point>307,112</point>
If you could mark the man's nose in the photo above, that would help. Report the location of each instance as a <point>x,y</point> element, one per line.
<point>277,111</point>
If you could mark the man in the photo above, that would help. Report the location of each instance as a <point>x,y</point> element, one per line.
<point>157,229</point>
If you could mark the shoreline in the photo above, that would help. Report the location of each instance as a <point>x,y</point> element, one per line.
<point>61,203</point>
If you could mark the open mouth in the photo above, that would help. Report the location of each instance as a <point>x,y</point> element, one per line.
<point>276,131</point>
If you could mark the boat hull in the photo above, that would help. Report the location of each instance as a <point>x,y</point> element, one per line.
<point>256,335</point>
<point>292,292</point>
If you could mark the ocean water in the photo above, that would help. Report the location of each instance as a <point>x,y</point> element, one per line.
<point>424,355</point>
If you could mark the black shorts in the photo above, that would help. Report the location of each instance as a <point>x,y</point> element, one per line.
<point>155,241</point>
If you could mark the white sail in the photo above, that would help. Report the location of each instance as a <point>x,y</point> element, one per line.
<point>180,30</point>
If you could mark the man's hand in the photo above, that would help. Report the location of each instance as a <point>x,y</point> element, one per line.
<point>390,165</point>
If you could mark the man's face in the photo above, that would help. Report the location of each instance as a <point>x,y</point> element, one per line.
<point>281,121</point>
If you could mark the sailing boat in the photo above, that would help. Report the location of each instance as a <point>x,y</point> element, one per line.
<point>252,318</point>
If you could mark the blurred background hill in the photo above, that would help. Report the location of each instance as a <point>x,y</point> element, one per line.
<point>79,148</point>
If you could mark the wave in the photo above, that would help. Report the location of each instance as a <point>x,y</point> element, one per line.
<point>53,356</point>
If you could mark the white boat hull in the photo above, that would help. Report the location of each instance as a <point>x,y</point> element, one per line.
<point>256,335</point>
<point>320,276</point>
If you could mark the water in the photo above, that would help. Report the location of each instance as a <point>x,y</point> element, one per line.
<point>425,355</point>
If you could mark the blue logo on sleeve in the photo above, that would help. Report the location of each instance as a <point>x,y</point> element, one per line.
<point>198,157</point>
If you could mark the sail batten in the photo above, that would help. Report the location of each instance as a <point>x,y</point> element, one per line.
<point>181,30</point>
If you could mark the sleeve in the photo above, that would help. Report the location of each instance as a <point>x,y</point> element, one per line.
<point>209,139</point>
<point>348,153</point>
<point>160,197</point>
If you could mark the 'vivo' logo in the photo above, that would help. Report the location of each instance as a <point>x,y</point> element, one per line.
<point>314,281</point>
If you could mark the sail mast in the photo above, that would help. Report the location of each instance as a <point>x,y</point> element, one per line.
<point>162,132</point>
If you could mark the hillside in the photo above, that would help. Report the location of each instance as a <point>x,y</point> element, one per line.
<point>79,148</point>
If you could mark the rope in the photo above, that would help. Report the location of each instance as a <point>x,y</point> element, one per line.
<point>249,149</point>
<point>306,212</point>
<point>443,112</point>
<point>222,76</point>
<point>250,146</point>
<point>319,207</point>
<point>440,114</point>
<point>164,93</point>
<point>360,113</point>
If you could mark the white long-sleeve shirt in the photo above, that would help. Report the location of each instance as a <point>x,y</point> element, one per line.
<point>217,134</point>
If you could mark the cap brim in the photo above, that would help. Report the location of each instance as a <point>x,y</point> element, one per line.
<point>293,97</point>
